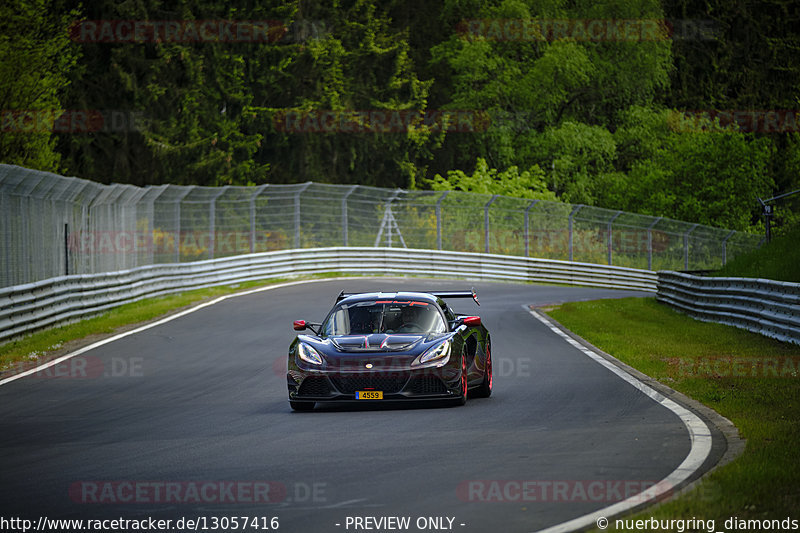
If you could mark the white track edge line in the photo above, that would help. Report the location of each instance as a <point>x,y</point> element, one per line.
<point>699,434</point>
<point>156,323</point>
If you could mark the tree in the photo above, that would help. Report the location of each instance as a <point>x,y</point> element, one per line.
<point>710,176</point>
<point>36,57</point>
<point>531,84</point>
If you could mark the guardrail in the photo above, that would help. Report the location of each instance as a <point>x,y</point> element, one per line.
<point>771,308</point>
<point>26,308</point>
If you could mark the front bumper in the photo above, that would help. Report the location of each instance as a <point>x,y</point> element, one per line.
<point>420,384</point>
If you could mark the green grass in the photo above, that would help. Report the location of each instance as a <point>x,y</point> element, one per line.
<point>696,358</point>
<point>779,260</point>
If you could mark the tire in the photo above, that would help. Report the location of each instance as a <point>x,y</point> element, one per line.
<point>301,406</point>
<point>485,390</point>
<point>461,400</point>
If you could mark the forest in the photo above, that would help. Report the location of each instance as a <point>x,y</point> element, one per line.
<point>686,109</point>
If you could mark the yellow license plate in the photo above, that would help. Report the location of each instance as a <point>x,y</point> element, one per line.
<point>369,395</point>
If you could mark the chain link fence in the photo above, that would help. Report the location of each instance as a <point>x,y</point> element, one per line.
<point>52,225</point>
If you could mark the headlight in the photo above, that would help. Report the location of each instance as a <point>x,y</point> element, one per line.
<point>438,354</point>
<point>308,354</point>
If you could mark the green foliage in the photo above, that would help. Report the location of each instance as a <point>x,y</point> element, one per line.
<point>363,63</point>
<point>710,177</point>
<point>484,180</point>
<point>581,155</point>
<point>192,95</point>
<point>593,119</point>
<point>36,57</point>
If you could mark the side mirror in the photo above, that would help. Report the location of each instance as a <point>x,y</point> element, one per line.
<point>472,321</point>
<point>300,325</point>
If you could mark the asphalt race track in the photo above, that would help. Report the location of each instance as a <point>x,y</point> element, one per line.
<point>200,403</point>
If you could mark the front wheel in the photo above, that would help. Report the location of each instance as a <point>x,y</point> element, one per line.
<point>301,406</point>
<point>485,390</point>
<point>462,399</point>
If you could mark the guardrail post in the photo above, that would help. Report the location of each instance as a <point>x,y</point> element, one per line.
<point>297,213</point>
<point>610,222</point>
<point>725,247</point>
<point>527,227</point>
<point>572,214</point>
<point>345,237</point>
<point>486,223</point>
<point>439,220</point>
<point>686,247</point>
<point>650,243</point>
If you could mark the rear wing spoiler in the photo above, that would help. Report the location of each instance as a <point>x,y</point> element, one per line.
<point>439,294</point>
<point>458,294</point>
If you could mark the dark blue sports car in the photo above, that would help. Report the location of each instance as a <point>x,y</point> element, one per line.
<point>381,346</point>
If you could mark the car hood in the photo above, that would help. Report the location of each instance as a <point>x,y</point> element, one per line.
<point>375,343</point>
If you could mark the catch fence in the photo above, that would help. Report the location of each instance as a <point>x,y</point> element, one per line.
<point>52,226</point>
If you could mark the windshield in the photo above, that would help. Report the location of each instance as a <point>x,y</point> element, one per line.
<point>384,316</point>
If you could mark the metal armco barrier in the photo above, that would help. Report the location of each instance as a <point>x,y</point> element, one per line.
<point>29,307</point>
<point>771,308</point>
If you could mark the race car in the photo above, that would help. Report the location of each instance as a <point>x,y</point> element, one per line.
<point>379,346</point>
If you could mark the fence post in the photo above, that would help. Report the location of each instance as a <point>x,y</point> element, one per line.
<point>527,226</point>
<point>212,221</point>
<point>344,213</point>
<point>297,213</point>
<point>572,214</point>
<point>439,220</point>
<point>5,215</point>
<point>178,219</point>
<point>725,247</point>
<point>650,243</point>
<point>686,247</point>
<point>256,194</point>
<point>85,259</point>
<point>486,223</point>
<point>610,222</point>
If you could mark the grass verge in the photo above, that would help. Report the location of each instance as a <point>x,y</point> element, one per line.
<point>752,380</point>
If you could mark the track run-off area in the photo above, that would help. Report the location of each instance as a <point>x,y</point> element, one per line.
<point>188,418</point>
